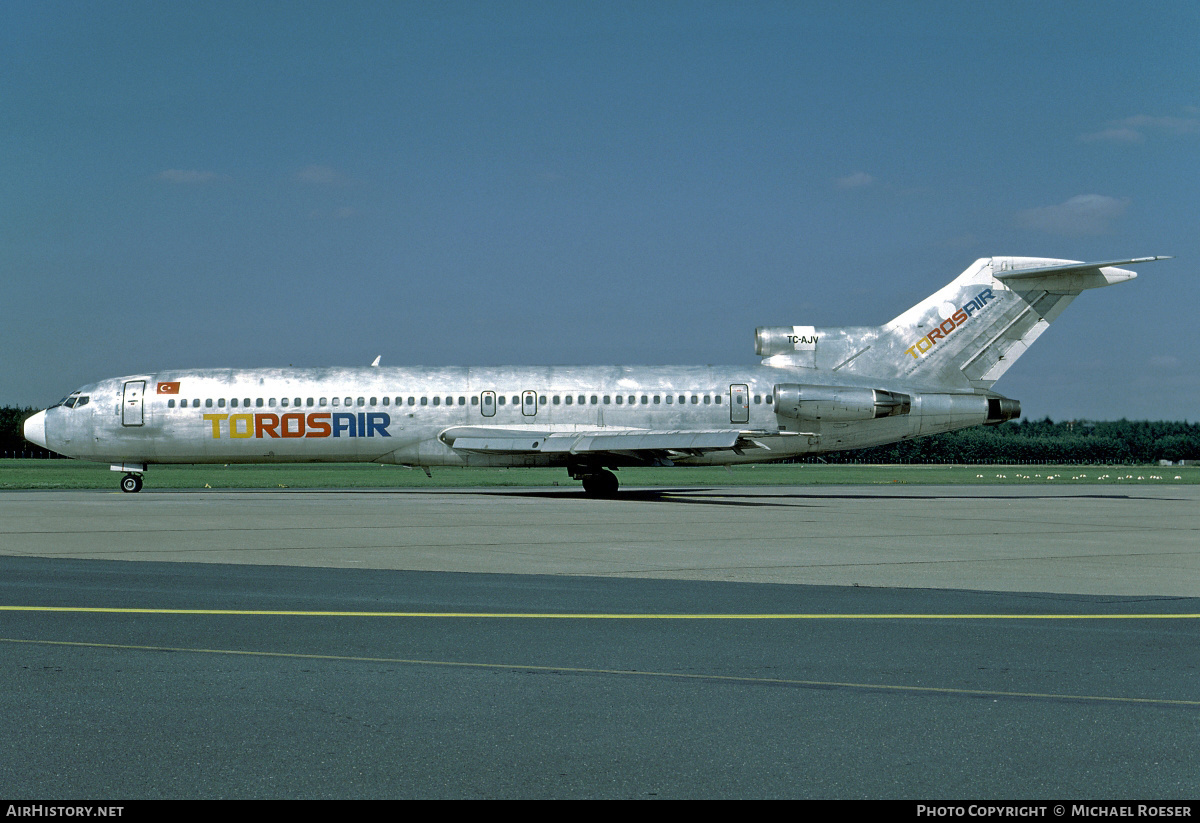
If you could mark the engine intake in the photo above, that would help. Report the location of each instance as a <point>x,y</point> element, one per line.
<point>838,403</point>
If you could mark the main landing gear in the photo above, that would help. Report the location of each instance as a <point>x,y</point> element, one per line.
<point>600,483</point>
<point>131,483</point>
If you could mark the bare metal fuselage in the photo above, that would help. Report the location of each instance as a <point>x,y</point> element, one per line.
<point>398,415</point>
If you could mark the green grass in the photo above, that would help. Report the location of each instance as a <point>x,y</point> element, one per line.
<point>70,474</point>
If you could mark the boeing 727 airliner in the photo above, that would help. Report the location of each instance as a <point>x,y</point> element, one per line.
<point>816,390</point>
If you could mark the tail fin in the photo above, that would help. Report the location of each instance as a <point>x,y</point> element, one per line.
<point>968,333</point>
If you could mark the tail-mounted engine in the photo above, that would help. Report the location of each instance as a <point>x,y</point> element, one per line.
<point>1001,409</point>
<point>838,403</point>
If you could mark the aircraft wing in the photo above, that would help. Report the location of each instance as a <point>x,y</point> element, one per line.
<point>647,443</point>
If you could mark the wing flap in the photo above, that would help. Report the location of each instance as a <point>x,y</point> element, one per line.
<point>657,441</point>
<point>593,441</point>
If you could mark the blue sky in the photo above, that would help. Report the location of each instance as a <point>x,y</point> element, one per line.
<point>223,184</point>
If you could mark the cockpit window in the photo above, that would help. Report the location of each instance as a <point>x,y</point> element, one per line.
<point>72,401</point>
<point>68,401</point>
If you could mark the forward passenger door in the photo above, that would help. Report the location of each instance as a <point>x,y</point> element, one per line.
<point>131,403</point>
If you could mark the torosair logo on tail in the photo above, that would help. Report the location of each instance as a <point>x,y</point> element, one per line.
<point>950,324</point>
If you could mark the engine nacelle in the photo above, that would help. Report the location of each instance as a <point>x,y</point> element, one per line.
<point>772,340</point>
<point>838,403</point>
<point>1001,409</point>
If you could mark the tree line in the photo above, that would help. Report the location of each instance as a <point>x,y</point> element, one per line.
<point>1024,441</point>
<point>1043,441</point>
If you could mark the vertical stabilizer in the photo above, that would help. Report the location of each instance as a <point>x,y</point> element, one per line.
<point>969,332</point>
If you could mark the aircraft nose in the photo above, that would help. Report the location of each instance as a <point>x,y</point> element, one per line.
<point>35,429</point>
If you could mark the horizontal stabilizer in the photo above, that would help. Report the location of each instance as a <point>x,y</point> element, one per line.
<point>1069,268</point>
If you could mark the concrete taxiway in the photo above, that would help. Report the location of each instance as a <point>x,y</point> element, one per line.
<point>1109,540</point>
<point>900,642</point>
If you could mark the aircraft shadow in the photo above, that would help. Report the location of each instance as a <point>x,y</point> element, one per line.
<point>726,497</point>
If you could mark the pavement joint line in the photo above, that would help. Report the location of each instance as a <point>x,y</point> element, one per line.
<point>596,615</point>
<point>742,679</point>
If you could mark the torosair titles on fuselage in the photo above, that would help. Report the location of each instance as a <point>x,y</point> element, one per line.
<point>816,390</point>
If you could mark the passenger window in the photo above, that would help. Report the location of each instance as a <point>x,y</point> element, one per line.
<point>258,402</point>
<point>645,400</point>
<point>437,401</point>
<point>656,399</point>
<point>620,400</point>
<point>233,402</point>
<point>412,401</point>
<point>607,399</point>
<point>501,400</point>
<point>474,400</point>
<point>424,401</point>
<point>361,402</point>
<point>558,400</point>
<point>321,401</point>
<point>170,404</point>
<point>208,402</point>
<point>221,402</point>
<point>385,400</point>
<point>670,399</point>
<point>593,399</point>
<point>373,401</point>
<point>695,399</point>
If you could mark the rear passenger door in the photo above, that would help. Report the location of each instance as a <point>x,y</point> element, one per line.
<point>739,403</point>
